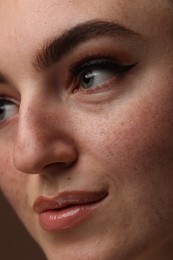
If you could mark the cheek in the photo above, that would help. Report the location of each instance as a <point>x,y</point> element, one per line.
<point>136,139</point>
<point>12,183</point>
<point>134,149</point>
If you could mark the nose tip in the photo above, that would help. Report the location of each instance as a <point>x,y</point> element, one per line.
<point>39,145</point>
<point>34,157</point>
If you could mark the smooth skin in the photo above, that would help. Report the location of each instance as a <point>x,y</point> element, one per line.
<point>116,135</point>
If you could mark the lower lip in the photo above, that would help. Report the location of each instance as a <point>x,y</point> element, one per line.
<point>59,220</point>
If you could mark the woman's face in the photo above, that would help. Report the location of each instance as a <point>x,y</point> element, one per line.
<point>86,125</point>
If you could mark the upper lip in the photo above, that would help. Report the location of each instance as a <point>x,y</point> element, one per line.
<point>67,199</point>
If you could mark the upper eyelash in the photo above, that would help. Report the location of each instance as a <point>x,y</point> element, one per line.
<point>4,99</point>
<point>102,62</point>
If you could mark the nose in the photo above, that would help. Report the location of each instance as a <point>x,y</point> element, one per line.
<point>43,139</point>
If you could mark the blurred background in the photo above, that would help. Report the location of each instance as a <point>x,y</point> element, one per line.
<point>15,242</point>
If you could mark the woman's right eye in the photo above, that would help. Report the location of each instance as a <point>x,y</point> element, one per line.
<point>8,109</point>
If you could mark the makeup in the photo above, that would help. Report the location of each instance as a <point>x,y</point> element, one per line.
<point>67,210</point>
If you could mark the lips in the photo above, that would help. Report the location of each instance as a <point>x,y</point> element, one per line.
<point>67,199</point>
<point>67,209</point>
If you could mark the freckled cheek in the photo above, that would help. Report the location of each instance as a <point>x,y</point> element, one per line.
<point>139,136</point>
<point>12,183</point>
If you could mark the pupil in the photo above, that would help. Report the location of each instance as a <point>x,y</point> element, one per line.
<point>1,110</point>
<point>87,78</point>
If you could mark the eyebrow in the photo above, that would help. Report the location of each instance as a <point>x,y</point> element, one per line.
<point>55,49</point>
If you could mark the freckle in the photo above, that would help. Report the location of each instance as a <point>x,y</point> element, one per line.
<point>69,178</point>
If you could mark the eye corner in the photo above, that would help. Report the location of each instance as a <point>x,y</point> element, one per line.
<point>8,110</point>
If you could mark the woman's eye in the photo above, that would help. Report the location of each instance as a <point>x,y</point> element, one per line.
<point>95,77</point>
<point>97,74</point>
<point>8,109</point>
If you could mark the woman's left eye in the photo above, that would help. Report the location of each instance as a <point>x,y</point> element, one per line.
<point>96,75</point>
<point>8,109</point>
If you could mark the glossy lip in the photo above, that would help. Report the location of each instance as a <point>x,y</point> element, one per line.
<point>67,209</point>
<point>67,199</point>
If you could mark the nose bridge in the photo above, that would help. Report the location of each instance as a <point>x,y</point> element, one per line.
<point>41,138</point>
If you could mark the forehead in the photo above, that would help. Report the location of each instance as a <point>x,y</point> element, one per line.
<point>60,14</point>
<point>25,25</point>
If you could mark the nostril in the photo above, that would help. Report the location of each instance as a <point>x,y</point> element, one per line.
<point>56,169</point>
<point>60,166</point>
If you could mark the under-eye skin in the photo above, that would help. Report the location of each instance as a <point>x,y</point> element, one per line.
<point>8,109</point>
<point>94,75</point>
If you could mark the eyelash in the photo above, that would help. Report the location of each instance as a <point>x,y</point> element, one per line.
<point>78,68</point>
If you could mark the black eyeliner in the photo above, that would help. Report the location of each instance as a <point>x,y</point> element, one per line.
<point>99,62</point>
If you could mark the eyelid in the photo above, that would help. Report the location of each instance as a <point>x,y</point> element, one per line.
<point>98,60</point>
<point>78,66</point>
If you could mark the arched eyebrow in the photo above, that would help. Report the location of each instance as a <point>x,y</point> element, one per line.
<point>60,46</point>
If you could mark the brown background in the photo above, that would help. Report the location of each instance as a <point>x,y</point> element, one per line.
<point>15,243</point>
